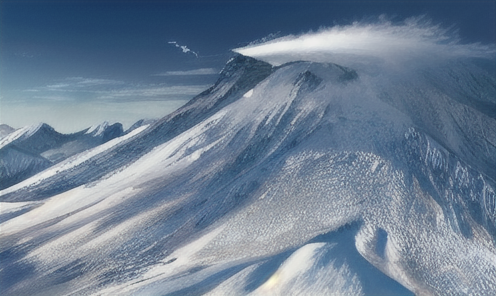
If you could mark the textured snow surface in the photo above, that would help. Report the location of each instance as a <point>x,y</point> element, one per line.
<point>304,179</point>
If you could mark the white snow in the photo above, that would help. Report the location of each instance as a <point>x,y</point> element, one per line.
<point>9,207</point>
<point>374,166</point>
<point>98,129</point>
<point>24,132</point>
<point>72,162</point>
<point>298,263</point>
<point>248,94</point>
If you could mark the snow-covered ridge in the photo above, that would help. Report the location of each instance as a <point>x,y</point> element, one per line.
<point>22,133</point>
<point>98,129</point>
<point>72,161</point>
<point>5,130</point>
<point>31,149</point>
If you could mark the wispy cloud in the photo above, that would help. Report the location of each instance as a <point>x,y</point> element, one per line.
<point>159,92</point>
<point>54,98</point>
<point>202,71</point>
<point>184,48</point>
<point>413,40</point>
<point>81,82</point>
<point>86,89</point>
<point>24,54</point>
<point>93,81</point>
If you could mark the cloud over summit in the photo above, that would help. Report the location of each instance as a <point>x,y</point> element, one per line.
<point>413,38</point>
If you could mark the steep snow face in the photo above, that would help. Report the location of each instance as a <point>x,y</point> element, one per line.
<point>20,152</point>
<point>308,178</point>
<point>17,165</point>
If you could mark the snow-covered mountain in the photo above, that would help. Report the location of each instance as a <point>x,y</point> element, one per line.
<point>307,177</point>
<point>29,150</point>
<point>5,130</point>
<point>84,140</point>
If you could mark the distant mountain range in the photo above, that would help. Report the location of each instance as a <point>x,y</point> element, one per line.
<point>29,150</point>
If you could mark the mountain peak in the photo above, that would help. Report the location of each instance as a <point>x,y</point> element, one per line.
<point>239,62</point>
<point>25,133</point>
<point>5,130</point>
<point>97,129</point>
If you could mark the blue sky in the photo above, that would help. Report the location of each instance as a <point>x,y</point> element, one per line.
<point>76,63</point>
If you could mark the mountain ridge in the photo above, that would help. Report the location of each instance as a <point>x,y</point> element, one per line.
<point>47,146</point>
<point>275,180</point>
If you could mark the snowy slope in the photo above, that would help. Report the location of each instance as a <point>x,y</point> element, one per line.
<point>239,76</point>
<point>305,178</point>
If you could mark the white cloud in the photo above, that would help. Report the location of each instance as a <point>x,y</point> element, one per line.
<point>54,98</point>
<point>78,83</point>
<point>81,81</point>
<point>153,93</point>
<point>184,48</point>
<point>414,39</point>
<point>57,86</point>
<point>202,71</point>
<point>74,89</point>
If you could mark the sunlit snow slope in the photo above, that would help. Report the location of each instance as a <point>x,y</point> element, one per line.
<point>306,178</point>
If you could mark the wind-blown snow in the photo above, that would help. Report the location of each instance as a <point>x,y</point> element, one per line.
<point>365,43</point>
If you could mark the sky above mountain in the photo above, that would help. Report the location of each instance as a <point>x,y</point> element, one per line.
<point>75,63</point>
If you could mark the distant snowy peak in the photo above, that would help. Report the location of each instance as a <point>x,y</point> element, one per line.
<point>105,130</point>
<point>140,123</point>
<point>98,129</point>
<point>25,133</point>
<point>29,150</point>
<point>5,130</point>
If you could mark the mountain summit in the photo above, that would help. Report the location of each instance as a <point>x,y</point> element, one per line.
<point>302,178</point>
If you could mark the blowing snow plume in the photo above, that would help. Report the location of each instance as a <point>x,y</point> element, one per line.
<point>359,43</point>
